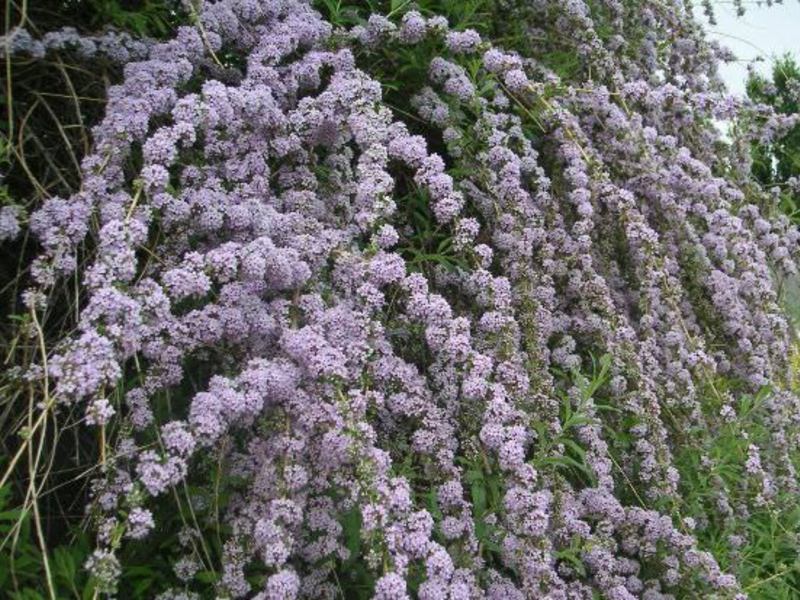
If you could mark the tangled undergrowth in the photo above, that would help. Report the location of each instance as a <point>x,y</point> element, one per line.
<point>449,300</point>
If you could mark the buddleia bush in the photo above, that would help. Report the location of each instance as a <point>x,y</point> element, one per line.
<point>372,306</point>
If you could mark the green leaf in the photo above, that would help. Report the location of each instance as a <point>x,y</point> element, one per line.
<point>64,563</point>
<point>351,523</point>
<point>478,492</point>
<point>207,576</point>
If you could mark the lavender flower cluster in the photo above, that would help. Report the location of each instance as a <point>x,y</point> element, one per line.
<point>117,47</point>
<point>260,236</point>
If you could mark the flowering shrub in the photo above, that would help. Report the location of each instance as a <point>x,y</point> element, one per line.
<point>479,337</point>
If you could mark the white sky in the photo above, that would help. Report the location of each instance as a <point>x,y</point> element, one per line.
<point>763,31</point>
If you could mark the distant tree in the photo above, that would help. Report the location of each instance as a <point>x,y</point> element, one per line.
<point>777,163</point>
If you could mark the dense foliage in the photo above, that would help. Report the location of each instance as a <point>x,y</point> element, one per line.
<point>390,301</point>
